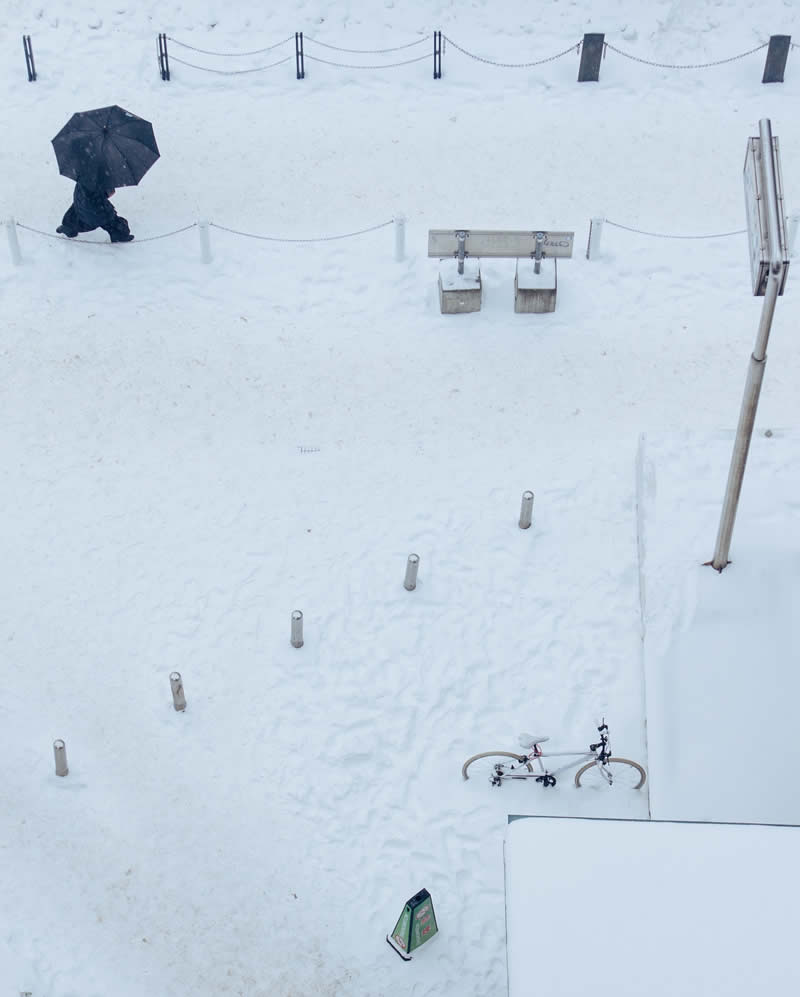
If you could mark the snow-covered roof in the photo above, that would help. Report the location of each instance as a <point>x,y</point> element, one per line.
<point>661,908</point>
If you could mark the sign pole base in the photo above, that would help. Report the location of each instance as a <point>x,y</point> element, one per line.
<point>403,955</point>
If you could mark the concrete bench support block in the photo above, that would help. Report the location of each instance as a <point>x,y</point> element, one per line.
<point>535,292</point>
<point>459,293</point>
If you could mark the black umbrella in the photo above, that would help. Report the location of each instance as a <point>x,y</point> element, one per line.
<point>106,148</point>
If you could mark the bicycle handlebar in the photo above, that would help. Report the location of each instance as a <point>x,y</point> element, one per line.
<point>603,742</point>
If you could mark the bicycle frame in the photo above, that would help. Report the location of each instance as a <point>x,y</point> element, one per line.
<point>534,757</point>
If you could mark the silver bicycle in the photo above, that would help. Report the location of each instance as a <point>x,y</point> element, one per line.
<point>600,768</point>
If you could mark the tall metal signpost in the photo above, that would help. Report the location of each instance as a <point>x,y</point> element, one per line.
<point>763,192</point>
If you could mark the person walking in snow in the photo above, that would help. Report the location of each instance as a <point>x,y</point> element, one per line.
<point>91,209</point>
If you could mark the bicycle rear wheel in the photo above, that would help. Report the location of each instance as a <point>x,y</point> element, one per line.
<point>484,763</point>
<point>623,772</point>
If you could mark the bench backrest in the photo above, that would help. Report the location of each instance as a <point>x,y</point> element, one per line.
<point>498,244</point>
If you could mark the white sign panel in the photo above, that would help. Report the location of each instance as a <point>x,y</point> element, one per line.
<point>756,210</point>
<point>500,245</point>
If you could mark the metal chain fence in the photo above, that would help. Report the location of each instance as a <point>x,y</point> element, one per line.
<point>343,65</point>
<point>697,65</point>
<point>93,242</point>
<point>512,65</point>
<point>223,228</point>
<point>576,47</point>
<point>367,51</point>
<point>231,72</point>
<point>662,235</point>
<point>257,51</point>
<point>322,238</point>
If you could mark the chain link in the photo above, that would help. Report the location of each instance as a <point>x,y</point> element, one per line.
<point>698,65</point>
<point>166,235</point>
<point>205,51</point>
<point>323,238</point>
<point>661,235</point>
<point>512,65</point>
<point>94,242</point>
<point>367,51</point>
<point>389,65</point>
<point>230,72</point>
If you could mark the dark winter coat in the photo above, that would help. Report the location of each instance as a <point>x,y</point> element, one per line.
<point>93,207</point>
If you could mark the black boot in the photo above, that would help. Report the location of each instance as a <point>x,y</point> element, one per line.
<point>119,231</point>
<point>70,225</point>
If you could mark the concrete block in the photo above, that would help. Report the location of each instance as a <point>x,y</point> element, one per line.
<point>535,292</point>
<point>459,292</point>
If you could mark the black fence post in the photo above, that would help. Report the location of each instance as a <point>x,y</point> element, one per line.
<point>776,58</point>
<point>26,44</point>
<point>437,55</point>
<point>298,55</point>
<point>591,54</point>
<point>163,57</point>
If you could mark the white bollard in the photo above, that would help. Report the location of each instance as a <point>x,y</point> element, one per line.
<point>792,224</point>
<point>526,511</point>
<point>178,696</point>
<point>297,628</point>
<point>13,242</point>
<point>60,751</point>
<point>399,238</point>
<point>595,232</point>
<point>205,241</point>
<point>410,582</point>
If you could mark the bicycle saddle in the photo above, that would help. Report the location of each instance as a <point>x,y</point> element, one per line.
<point>528,740</point>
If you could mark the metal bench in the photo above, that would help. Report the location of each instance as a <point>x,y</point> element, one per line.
<point>534,287</point>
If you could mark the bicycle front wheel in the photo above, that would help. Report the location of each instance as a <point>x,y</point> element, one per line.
<point>484,763</point>
<point>623,772</point>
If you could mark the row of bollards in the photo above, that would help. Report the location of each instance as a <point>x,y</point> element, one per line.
<point>178,701</point>
<point>409,583</point>
<point>412,567</point>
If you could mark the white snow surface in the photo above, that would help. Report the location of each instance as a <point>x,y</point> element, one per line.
<point>693,911</point>
<point>193,451</point>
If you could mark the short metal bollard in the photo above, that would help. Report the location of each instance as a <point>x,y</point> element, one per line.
<point>178,696</point>
<point>13,242</point>
<point>205,241</point>
<point>412,566</point>
<point>399,238</point>
<point>595,234</point>
<point>526,511</point>
<point>297,628</point>
<point>60,751</point>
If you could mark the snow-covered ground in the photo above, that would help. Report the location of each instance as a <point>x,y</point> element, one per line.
<point>722,691</point>
<point>193,451</point>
